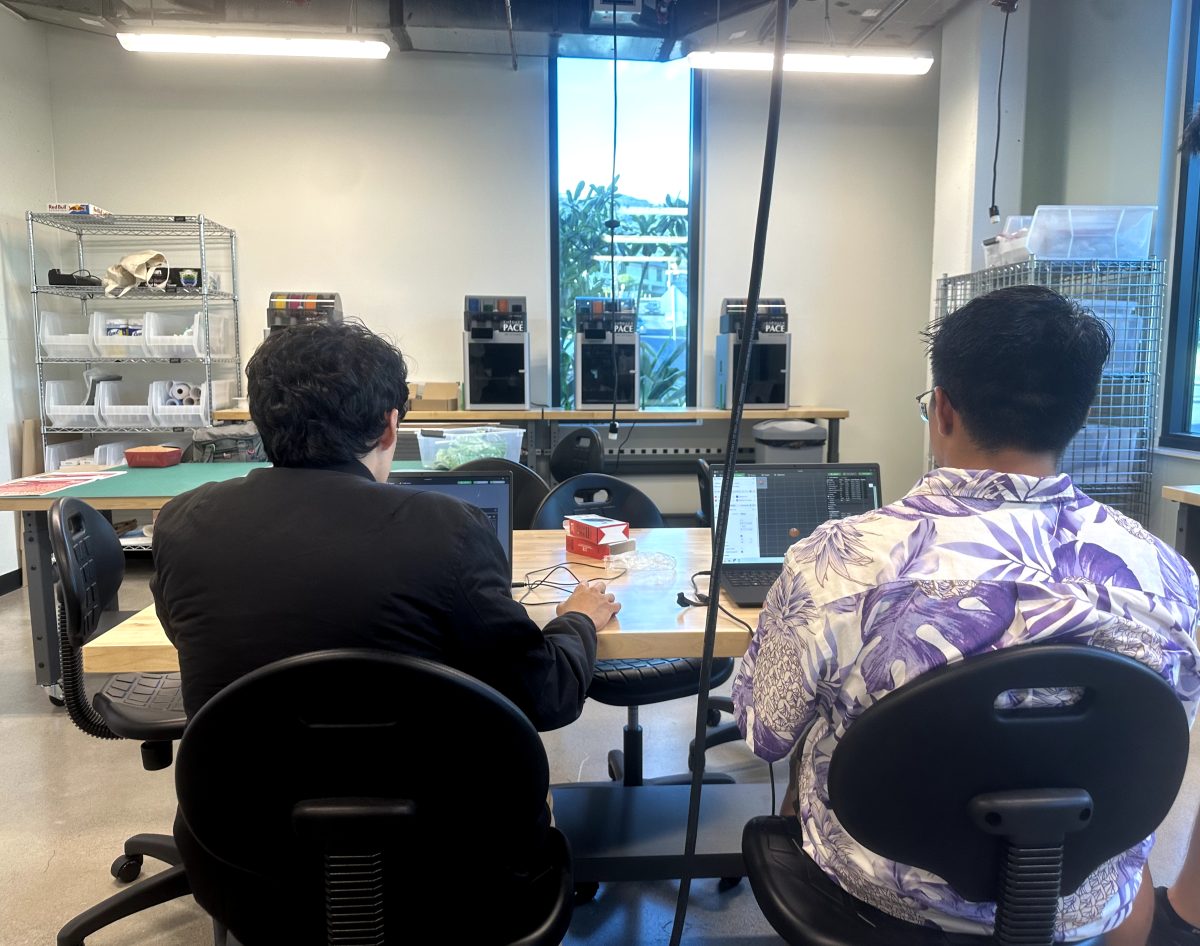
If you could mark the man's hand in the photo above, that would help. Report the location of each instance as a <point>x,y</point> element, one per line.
<point>590,598</point>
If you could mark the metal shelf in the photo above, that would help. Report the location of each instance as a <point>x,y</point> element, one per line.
<point>113,430</point>
<point>132,224</point>
<point>141,294</point>
<point>215,360</point>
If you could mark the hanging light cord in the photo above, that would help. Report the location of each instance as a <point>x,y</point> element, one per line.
<point>994,210</point>
<point>612,239</point>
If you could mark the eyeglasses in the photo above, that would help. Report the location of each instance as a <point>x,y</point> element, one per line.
<point>923,405</point>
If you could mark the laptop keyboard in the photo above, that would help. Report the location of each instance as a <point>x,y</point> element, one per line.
<point>747,577</point>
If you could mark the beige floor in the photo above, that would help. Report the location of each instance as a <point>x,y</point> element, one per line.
<point>67,802</point>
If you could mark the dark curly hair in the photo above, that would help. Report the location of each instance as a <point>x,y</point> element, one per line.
<point>321,394</point>
<point>1021,366</point>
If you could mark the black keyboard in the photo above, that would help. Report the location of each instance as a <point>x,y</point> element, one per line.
<point>747,576</point>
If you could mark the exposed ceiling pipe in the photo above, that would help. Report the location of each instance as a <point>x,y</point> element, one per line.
<point>512,42</point>
<point>879,24</point>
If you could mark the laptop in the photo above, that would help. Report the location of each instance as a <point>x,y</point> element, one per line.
<point>774,506</point>
<point>490,492</point>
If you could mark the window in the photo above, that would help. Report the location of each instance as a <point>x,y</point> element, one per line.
<point>655,239</point>
<point>1181,414</point>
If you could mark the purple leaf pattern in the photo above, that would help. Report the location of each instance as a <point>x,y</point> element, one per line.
<point>969,561</point>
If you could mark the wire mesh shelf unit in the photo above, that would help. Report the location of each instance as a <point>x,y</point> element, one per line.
<point>1111,458</point>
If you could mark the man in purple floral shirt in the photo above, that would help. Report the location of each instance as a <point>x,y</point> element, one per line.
<point>992,549</point>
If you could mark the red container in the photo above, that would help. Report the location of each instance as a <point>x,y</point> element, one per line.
<point>153,456</point>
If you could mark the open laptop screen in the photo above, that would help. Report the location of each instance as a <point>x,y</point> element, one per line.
<point>774,506</point>
<point>490,492</point>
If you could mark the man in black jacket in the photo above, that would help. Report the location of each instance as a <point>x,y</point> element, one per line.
<point>319,551</point>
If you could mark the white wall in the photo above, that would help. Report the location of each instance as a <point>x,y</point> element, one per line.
<point>848,247</point>
<point>27,182</point>
<point>403,184</point>
<point>1094,130</point>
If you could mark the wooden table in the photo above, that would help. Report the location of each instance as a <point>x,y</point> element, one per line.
<point>651,623</point>
<point>1187,529</point>
<point>145,488</point>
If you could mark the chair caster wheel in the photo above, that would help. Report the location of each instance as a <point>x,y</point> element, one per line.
<point>57,701</point>
<point>585,893</point>
<point>126,867</point>
<point>714,717</point>
<point>728,883</point>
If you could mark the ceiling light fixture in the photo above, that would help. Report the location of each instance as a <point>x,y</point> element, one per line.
<point>877,62</point>
<point>232,44</point>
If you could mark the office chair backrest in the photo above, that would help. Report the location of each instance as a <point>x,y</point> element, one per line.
<point>921,777</point>
<point>312,774</point>
<point>529,489</point>
<point>597,494</point>
<point>89,563</point>
<point>578,452</point>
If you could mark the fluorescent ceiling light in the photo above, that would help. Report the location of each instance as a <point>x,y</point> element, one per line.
<point>233,44</point>
<point>840,61</point>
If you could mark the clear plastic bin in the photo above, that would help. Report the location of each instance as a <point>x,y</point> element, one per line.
<point>118,346</point>
<point>56,453</point>
<point>188,415</point>
<point>164,335</point>
<point>444,449</point>
<point>111,454</point>
<point>114,413</point>
<point>65,407</point>
<point>58,341</point>
<point>1092,233</point>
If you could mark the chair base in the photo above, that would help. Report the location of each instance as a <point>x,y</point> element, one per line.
<point>171,884</point>
<point>162,847</point>
<point>806,908</point>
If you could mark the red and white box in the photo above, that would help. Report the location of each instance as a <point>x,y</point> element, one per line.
<point>597,536</point>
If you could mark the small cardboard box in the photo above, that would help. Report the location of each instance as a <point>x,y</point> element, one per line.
<point>90,210</point>
<point>597,536</point>
<point>437,396</point>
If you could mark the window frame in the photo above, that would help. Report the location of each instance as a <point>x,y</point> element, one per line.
<point>1183,324</point>
<point>695,174</point>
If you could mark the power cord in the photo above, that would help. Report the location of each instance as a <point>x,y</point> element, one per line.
<point>532,583</point>
<point>621,446</point>
<point>612,225</point>
<point>701,601</point>
<point>994,210</point>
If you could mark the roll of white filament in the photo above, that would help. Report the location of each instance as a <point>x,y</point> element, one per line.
<point>195,392</point>
<point>174,402</point>
<point>180,389</point>
<point>189,401</point>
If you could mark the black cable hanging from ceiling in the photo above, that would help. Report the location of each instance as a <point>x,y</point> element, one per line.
<point>735,423</point>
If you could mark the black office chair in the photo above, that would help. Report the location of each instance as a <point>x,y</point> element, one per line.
<point>632,683</point>
<point>312,811</point>
<point>1007,805</point>
<point>529,489</point>
<point>90,565</point>
<point>578,452</point>
<point>597,494</point>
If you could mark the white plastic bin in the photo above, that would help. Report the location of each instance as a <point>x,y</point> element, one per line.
<point>56,453</point>
<point>444,449</point>
<point>188,415</point>
<point>58,341</point>
<point>65,407</point>
<point>111,454</point>
<point>1092,232</point>
<point>120,407</point>
<point>181,334</point>
<point>128,344</point>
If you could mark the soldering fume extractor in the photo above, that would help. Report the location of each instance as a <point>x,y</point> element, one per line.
<point>496,352</point>
<point>767,381</point>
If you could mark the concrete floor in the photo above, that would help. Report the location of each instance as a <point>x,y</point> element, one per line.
<point>67,802</point>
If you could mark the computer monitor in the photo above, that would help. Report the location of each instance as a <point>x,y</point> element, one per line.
<point>775,505</point>
<point>491,492</point>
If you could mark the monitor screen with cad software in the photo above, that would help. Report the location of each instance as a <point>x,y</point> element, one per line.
<point>491,493</point>
<point>774,506</point>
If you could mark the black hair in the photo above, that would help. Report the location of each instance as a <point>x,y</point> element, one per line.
<point>1021,366</point>
<point>321,394</point>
